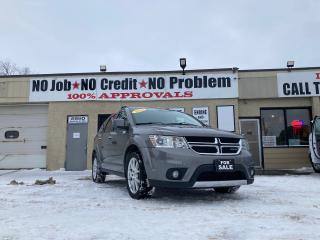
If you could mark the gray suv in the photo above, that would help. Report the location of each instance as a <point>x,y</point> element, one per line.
<point>154,147</point>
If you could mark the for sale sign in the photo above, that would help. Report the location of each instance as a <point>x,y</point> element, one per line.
<point>135,88</point>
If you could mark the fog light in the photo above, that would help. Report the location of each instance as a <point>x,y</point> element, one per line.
<point>175,174</point>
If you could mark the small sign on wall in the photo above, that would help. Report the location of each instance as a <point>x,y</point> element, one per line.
<point>202,114</point>
<point>269,141</point>
<point>77,119</point>
<point>76,135</point>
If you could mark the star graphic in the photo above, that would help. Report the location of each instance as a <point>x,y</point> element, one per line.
<point>75,85</point>
<point>143,84</point>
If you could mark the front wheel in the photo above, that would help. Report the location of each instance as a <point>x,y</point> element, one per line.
<point>137,183</point>
<point>227,189</point>
<point>315,166</point>
<point>97,175</point>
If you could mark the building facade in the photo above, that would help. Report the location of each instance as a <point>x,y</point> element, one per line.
<point>50,120</point>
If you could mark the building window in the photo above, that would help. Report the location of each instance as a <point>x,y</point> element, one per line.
<point>11,134</point>
<point>285,127</point>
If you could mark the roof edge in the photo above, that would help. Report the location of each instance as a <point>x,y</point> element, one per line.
<point>159,72</point>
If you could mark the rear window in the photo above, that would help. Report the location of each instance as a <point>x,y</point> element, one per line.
<point>12,134</point>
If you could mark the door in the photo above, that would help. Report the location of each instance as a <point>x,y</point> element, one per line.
<point>76,153</point>
<point>23,136</point>
<point>250,128</point>
<point>314,143</point>
<point>106,146</point>
<point>120,140</point>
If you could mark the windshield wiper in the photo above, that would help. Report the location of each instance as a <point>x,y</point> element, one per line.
<point>149,123</point>
<point>181,123</point>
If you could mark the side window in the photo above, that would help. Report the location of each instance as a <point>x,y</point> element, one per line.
<point>108,126</point>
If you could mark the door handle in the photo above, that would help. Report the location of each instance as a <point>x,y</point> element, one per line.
<point>109,137</point>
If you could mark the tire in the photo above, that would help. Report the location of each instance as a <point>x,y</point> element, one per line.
<point>315,168</point>
<point>136,177</point>
<point>97,175</point>
<point>226,189</point>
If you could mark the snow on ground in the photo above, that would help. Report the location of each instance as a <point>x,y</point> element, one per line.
<point>274,207</point>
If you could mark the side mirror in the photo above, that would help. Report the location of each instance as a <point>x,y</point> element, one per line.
<point>120,123</point>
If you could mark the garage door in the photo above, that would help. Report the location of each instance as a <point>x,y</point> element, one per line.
<point>23,136</point>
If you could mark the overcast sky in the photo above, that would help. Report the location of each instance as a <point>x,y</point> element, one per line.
<point>79,35</point>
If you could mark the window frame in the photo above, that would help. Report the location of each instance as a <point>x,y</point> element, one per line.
<point>284,110</point>
<point>109,120</point>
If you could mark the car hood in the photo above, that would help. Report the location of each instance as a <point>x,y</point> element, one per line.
<point>175,130</point>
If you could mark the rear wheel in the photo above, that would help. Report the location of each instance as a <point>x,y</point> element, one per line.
<point>226,189</point>
<point>97,175</point>
<point>137,182</point>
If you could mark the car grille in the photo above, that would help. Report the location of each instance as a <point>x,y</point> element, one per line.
<point>214,145</point>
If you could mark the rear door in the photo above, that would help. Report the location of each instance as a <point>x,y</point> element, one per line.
<point>314,140</point>
<point>120,139</point>
<point>107,149</point>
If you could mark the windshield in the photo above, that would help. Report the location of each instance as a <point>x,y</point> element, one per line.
<point>143,116</point>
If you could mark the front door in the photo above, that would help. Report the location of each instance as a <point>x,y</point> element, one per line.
<point>250,128</point>
<point>314,143</point>
<point>76,154</point>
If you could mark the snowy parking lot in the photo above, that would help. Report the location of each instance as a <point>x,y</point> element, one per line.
<point>274,207</point>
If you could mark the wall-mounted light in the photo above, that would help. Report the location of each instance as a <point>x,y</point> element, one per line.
<point>103,68</point>
<point>290,64</point>
<point>235,69</point>
<point>183,64</point>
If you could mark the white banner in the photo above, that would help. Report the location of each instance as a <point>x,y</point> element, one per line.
<point>135,88</point>
<point>298,84</point>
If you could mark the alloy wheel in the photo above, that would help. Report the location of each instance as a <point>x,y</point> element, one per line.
<point>134,175</point>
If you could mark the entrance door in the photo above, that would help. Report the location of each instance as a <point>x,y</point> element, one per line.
<point>76,154</point>
<point>250,128</point>
<point>314,144</point>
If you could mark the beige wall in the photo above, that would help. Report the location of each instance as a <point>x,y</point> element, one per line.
<point>257,85</point>
<point>286,158</point>
<point>251,107</point>
<point>14,90</point>
<point>59,111</point>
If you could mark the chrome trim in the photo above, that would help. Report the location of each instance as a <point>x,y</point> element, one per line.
<point>218,145</point>
<point>204,145</point>
<point>209,184</point>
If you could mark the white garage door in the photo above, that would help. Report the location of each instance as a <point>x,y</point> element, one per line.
<point>23,136</point>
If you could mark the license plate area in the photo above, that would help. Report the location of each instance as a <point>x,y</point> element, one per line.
<point>224,165</point>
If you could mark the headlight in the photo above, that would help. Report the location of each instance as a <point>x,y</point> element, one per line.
<point>167,141</point>
<point>245,144</point>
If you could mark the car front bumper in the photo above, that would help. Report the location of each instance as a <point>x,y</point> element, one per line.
<point>198,170</point>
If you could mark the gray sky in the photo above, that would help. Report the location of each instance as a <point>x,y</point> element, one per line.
<point>79,35</point>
